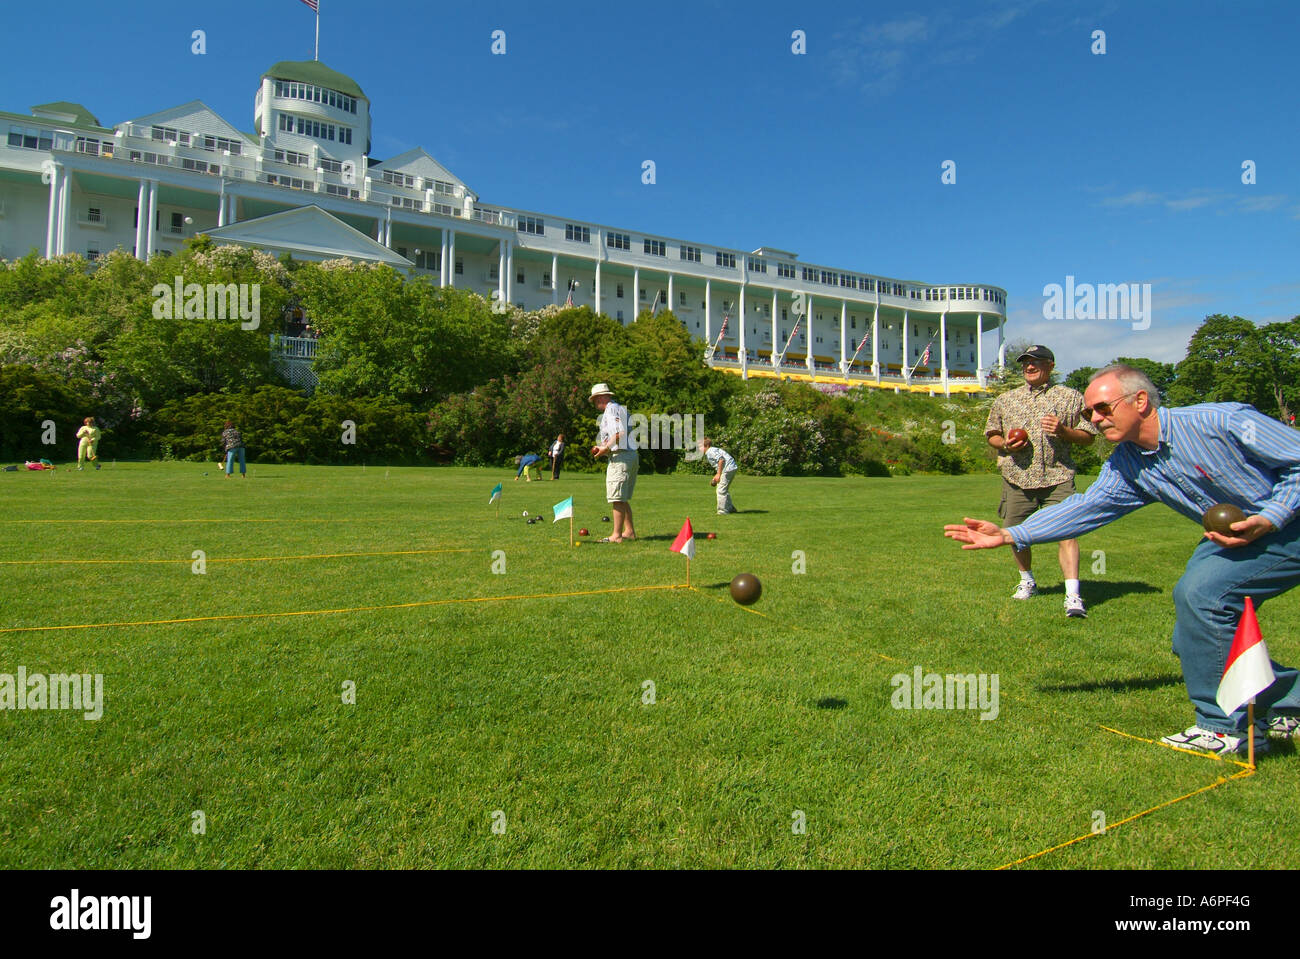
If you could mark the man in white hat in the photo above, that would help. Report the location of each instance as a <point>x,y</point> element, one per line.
<point>620,476</point>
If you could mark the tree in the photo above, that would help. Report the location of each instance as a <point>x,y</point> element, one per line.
<point>1230,359</point>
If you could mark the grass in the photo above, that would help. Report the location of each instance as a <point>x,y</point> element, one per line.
<point>532,708</point>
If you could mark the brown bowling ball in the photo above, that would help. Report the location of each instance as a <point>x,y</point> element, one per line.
<point>745,589</point>
<point>1220,517</point>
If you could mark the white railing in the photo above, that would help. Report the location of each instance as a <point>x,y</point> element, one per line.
<point>293,347</point>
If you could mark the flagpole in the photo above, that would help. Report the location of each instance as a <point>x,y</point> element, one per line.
<point>570,527</point>
<point>1250,731</point>
<point>318,31</point>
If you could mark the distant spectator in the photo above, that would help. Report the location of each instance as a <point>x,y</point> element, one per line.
<point>233,444</point>
<point>88,443</point>
<point>557,456</point>
<point>528,462</point>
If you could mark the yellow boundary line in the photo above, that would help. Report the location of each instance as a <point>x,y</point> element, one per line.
<point>232,520</point>
<point>1246,770</point>
<point>242,559</point>
<point>347,609</point>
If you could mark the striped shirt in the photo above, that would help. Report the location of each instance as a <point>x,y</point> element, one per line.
<point>1207,454</point>
<point>713,455</point>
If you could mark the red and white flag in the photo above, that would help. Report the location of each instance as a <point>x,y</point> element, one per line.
<point>864,340</point>
<point>925,357</point>
<point>685,541</point>
<point>1249,671</point>
<point>313,4</point>
<point>569,299</point>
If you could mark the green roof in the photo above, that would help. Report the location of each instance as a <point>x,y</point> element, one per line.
<point>314,72</point>
<point>83,117</point>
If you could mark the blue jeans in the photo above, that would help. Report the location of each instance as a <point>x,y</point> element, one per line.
<point>230,461</point>
<point>1209,600</point>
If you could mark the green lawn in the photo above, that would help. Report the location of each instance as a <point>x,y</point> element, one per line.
<point>533,706</point>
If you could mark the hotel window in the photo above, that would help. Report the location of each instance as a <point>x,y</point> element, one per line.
<point>29,139</point>
<point>756,265</point>
<point>178,222</point>
<point>546,281</point>
<point>725,259</point>
<point>785,270</point>
<point>199,166</point>
<point>681,297</point>
<point>655,247</point>
<point>578,234</point>
<point>519,277</point>
<point>331,166</point>
<point>213,144</point>
<point>972,339</point>
<point>532,224</point>
<point>334,190</point>
<point>643,293</point>
<point>784,315</point>
<point>170,135</point>
<point>618,293</point>
<point>828,277</point>
<point>898,289</point>
<point>94,215</point>
<point>460,267</point>
<point>92,252</point>
<point>618,241</point>
<point>399,179</point>
<point>810,274</point>
<point>691,253</point>
<point>443,187</point>
<point>853,322</point>
<point>295,159</point>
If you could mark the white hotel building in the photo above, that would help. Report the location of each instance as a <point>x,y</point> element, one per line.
<point>303,182</point>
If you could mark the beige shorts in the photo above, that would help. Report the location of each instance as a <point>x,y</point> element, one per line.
<point>620,476</point>
<point>1019,504</point>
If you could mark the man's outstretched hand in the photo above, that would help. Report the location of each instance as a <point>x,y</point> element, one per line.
<point>977,534</point>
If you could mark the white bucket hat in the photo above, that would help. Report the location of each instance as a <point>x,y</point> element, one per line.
<point>600,389</point>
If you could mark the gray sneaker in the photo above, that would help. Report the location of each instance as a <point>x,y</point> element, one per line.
<point>1026,589</point>
<point>1074,607</point>
<point>1283,727</point>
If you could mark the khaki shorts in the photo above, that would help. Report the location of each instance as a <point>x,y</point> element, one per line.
<point>620,476</point>
<point>1018,504</point>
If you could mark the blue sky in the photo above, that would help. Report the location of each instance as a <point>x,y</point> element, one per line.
<point>1117,168</point>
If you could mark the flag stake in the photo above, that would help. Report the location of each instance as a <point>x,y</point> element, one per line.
<point>1250,731</point>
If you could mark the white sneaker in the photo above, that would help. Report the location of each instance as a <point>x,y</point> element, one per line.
<point>1026,589</point>
<point>1208,741</point>
<point>1283,727</point>
<point>1074,607</point>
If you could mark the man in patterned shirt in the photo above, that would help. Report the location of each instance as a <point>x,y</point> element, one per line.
<point>1190,459</point>
<point>1039,471</point>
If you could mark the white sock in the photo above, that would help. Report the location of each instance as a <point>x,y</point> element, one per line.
<point>1071,587</point>
<point>1026,576</point>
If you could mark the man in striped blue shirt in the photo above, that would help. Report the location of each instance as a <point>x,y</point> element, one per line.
<point>1191,459</point>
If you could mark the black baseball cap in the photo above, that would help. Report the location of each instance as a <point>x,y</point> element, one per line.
<point>1036,352</point>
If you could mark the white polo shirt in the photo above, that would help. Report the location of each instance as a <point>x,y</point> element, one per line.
<point>713,455</point>
<point>612,421</point>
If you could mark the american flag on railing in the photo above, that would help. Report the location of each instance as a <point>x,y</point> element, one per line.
<point>925,357</point>
<point>568,301</point>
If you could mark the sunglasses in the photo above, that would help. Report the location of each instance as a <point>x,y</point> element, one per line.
<point>1105,409</point>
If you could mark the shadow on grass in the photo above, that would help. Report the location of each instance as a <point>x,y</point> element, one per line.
<point>1097,592</point>
<point>832,702</point>
<point>1114,685</point>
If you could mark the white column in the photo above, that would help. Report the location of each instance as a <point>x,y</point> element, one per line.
<point>442,274</point>
<point>221,204</point>
<point>555,279</point>
<point>671,304</point>
<point>907,357</point>
<point>501,271</point>
<point>875,343</point>
<point>52,219</point>
<point>844,335</point>
<point>510,271</point>
<point>65,210</point>
<point>1002,346</point>
<point>776,329</point>
<point>743,320</point>
<point>153,213</point>
<point>451,258</point>
<point>636,292</point>
<point>142,210</point>
<point>979,348</point>
<point>708,312</point>
<point>943,348</point>
<point>388,229</point>
<point>597,285</point>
